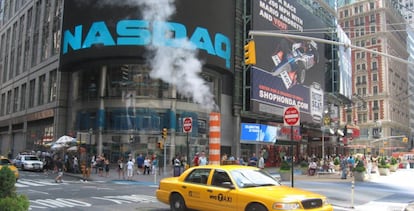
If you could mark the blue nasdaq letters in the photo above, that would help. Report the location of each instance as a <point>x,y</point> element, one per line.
<point>140,33</point>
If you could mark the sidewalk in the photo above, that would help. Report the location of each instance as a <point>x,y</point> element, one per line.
<point>113,176</point>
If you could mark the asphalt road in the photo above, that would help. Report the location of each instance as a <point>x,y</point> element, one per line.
<point>392,192</point>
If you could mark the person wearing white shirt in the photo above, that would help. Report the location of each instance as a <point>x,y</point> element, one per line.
<point>202,160</point>
<point>130,169</point>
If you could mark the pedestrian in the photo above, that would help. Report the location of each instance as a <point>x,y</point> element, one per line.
<point>147,165</point>
<point>140,163</point>
<point>121,168</point>
<point>75,165</point>
<point>253,160</point>
<point>351,165</point>
<point>60,168</point>
<point>130,169</point>
<point>154,165</point>
<point>106,163</point>
<point>196,159</point>
<point>344,167</point>
<point>261,164</point>
<point>86,170</point>
<point>202,159</point>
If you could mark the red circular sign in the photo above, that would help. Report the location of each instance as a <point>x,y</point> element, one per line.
<point>187,124</point>
<point>291,116</point>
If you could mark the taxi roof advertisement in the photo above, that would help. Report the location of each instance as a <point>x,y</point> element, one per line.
<point>102,31</point>
<point>288,72</point>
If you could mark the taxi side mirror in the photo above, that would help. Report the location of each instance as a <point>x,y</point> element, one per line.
<point>227,185</point>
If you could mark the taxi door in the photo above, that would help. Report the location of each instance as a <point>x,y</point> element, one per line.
<point>221,192</point>
<point>195,189</point>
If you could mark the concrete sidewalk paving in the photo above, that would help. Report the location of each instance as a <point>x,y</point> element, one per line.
<point>113,176</point>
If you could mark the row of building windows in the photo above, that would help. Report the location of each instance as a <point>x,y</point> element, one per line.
<point>20,45</point>
<point>41,90</point>
<point>365,7</point>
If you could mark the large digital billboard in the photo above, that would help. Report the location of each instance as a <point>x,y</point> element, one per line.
<point>98,31</point>
<point>288,72</point>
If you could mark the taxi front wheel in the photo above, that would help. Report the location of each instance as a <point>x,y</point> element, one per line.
<point>177,203</point>
<point>256,207</point>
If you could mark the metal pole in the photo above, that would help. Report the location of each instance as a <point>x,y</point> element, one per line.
<point>165,158</point>
<point>352,191</point>
<point>188,151</point>
<point>323,144</point>
<point>291,154</point>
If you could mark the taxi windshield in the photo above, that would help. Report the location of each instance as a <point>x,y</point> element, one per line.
<point>246,178</point>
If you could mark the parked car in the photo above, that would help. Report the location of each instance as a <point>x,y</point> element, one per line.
<point>28,162</point>
<point>234,187</point>
<point>4,161</point>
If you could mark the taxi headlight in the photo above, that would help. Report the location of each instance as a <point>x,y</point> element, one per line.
<point>325,201</point>
<point>286,206</point>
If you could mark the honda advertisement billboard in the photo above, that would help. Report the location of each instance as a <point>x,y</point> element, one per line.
<point>288,72</point>
<point>102,31</point>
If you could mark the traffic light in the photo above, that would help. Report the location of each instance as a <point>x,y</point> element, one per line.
<point>160,145</point>
<point>405,140</point>
<point>250,53</point>
<point>164,133</point>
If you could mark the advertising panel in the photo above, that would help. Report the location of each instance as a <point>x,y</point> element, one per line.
<point>251,132</point>
<point>288,72</point>
<point>115,31</point>
<point>345,68</point>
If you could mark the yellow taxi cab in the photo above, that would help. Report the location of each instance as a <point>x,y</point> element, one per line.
<point>6,162</point>
<point>234,187</point>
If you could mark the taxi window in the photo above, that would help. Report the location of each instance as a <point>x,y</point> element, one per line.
<point>199,176</point>
<point>221,179</point>
<point>4,162</point>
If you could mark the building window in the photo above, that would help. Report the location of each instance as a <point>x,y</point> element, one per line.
<point>52,86</point>
<point>375,77</point>
<point>32,86</point>
<point>346,13</point>
<point>16,99</point>
<point>3,104</point>
<point>8,102</point>
<point>371,5</point>
<point>374,65</point>
<point>375,90</point>
<point>373,31</point>
<point>42,90</point>
<point>23,97</point>
<point>376,116</point>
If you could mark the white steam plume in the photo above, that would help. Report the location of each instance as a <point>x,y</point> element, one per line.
<point>176,66</point>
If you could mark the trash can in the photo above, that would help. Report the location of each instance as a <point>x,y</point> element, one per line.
<point>177,171</point>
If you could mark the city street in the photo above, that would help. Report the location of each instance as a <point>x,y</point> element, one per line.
<point>392,192</point>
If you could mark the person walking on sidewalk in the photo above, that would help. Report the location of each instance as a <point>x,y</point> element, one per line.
<point>106,163</point>
<point>130,169</point>
<point>60,168</point>
<point>140,163</point>
<point>147,165</point>
<point>121,168</point>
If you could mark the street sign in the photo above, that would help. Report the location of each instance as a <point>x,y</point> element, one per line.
<point>187,124</point>
<point>291,116</point>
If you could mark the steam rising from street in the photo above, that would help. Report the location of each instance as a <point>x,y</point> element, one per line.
<point>176,66</point>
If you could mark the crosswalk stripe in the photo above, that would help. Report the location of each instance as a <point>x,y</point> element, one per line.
<point>21,183</point>
<point>29,183</point>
